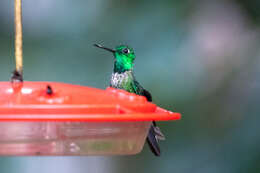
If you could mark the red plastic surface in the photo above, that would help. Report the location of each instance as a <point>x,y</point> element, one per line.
<point>29,101</point>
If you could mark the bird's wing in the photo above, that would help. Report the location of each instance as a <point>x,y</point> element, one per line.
<point>147,95</point>
<point>141,91</point>
<point>155,133</point>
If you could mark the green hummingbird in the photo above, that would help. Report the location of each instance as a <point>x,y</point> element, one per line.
<point>123,78</point>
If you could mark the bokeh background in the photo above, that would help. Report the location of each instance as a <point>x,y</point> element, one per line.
<point>200,58</point>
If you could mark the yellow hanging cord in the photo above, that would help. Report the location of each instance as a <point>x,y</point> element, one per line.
<point>18,39</point>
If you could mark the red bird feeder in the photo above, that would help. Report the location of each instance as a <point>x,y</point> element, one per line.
<point>48,118</point>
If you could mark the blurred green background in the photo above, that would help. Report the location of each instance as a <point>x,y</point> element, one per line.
<point>200,58</point>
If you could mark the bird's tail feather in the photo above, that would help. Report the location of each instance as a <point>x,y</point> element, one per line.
<point>153,137</point>
<point>158,134</point>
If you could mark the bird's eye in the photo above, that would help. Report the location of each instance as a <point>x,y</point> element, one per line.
<point>126,50</point>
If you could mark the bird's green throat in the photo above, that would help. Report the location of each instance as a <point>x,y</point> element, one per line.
<point>124,58</point>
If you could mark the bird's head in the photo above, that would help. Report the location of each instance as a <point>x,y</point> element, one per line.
<point>124,57</point>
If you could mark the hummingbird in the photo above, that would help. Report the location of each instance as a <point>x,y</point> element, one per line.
<point>123,78</point>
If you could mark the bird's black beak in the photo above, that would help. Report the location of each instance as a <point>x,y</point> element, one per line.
<point>102,47</point>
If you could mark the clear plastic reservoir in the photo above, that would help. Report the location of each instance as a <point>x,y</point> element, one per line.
<point>72,138</point>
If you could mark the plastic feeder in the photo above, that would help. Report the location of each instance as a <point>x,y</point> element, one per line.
<point>47,118</point>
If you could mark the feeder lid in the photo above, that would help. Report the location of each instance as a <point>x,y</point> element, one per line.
<point>52,101</point>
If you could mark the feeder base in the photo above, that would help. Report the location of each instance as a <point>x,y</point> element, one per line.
<point>72,138</point>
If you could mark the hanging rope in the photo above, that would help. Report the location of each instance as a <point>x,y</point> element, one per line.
<point>18,73</point>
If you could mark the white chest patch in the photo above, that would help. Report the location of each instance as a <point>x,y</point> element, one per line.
<point>120,79</point>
